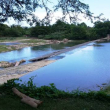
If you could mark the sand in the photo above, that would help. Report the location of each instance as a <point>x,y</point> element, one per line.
<point>17,72</point>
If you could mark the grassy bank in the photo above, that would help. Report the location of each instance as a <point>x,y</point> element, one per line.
<point>34,41</point>
<point>14,103</point>
<point>25,42</point>
<point>53,99</point>
<point>4,48</point>
<point>11,39</point>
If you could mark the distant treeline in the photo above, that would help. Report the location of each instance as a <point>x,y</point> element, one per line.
<point>59,30</point>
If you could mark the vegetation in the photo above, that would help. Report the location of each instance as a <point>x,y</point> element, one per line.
<point>23,10</point>
<point>14,103</point>
<point>59,31</point>
<point>3,48</point>
<point>34,41</point>
<point>53,99</point>
<point>10,39</point>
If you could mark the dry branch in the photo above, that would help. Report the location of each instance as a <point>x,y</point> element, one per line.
<point>19,62</point>
<point>26,99</point>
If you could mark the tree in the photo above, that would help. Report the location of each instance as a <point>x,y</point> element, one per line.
<point>22,10</point>
<point>78,32</point>
<point>39,30</point>
<point>102,28</point>
<point>3,28</point>
<point>59,26</point>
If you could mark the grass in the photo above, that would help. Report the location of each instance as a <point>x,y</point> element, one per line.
<point>9,39</point>
<point>53,99</point>
<point>14,103</point>
<point>107,90</point>
<point>3,48</point>
<point>34,41</point>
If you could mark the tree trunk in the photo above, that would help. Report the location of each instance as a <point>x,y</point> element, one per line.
<point>26,99</point>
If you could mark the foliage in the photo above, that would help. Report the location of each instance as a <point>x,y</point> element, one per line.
<point>39,30</point>
<point>13,31</point>
<point>55,35</point>
<point>59,31</point>
<point>14,103</point>
<point>102,28</point>
<point>23,10</point>
<point>49,91</point>
<point>2,48</point>
<point>78,32</point>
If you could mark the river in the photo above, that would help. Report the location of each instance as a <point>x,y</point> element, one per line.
<point>83,68</point>
<point>33,52</point>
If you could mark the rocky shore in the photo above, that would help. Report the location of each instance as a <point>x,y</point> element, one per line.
<point>18,71</point>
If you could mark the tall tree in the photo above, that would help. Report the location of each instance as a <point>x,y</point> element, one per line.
<point>23,9</point>
<point>102,28</point>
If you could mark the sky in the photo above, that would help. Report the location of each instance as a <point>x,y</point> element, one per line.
<point>96,6</point>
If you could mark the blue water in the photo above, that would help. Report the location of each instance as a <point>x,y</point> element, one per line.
<point>16,43</point>
<point>34,52</point>
<point>83,69</point>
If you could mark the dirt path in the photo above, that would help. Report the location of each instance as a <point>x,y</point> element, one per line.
<point>16,72</point>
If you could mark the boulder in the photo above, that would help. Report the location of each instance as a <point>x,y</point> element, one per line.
<point>5,64</point>
<point>65,40</point>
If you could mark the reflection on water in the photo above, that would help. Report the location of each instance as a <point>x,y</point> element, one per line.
<point>83,69</point>
<point>33,52</point>
<point>16,43</point>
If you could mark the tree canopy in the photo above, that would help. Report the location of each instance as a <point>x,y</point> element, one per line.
<point>22,9</point>
<point>59,30</point>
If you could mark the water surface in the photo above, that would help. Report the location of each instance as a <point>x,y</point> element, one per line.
<point>33,52</point>
<point>83,68</point>
<point>15,43</point>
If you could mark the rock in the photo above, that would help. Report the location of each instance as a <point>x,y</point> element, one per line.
<point>101,40</point>
<point>104,84</point>
<point>65,40</point>
<point>55,41</point>
<point>5,64</point>
<point>22,61</point>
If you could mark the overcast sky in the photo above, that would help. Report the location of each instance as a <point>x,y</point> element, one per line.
<point>96,6</point>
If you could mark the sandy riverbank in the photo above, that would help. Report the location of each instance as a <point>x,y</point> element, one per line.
<point>30,42</point>
<point>16,72</point>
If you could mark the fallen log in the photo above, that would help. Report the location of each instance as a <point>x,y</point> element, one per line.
<point>19,62</point>
<point>26,99</point>
<point>44,57</point>
<point>60,51</point>
<point>39,59</point>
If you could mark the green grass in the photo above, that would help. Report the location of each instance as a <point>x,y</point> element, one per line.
<point>107,89</point>
<point>14,103</point>
<point>34,41</point>
<point>9,39</point>
<point>53,99</point>
<point>3,48</point>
